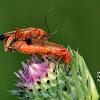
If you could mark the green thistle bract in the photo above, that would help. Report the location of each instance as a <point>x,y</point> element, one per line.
<point>42,80</point>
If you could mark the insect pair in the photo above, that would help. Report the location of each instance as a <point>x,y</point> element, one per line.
<point>25,34</point>
<point>28,45</point>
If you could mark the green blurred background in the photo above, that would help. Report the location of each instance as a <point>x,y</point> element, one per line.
<point>77,22</point>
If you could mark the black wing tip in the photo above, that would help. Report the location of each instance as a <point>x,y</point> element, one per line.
<point>2,37</point>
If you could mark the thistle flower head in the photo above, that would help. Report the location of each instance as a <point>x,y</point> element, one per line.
<point>46,80</point>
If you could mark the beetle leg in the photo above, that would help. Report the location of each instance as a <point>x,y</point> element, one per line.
<point>29,36</point>
<point>17,34</point>
<point>40,38</point>
<point>42,43</point>
<point>10,48</point>
<point>59,60</point>
<point>45,59</point>
<point>39,35</point>
<point>8,41</point>
<point>31,58</point>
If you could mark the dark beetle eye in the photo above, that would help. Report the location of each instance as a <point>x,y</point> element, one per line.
<point>45,35</point>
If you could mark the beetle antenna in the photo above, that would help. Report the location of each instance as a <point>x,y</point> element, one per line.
<point>46,20</point>
<point>54,32</point>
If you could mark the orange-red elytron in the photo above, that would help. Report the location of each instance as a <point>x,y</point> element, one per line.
<point>43,48</point>
<point>23,34</point>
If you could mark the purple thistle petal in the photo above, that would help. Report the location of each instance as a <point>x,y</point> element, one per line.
<point>18,76</point>
<point>37,59</point>
<point>24,65</point>
<point>33,73</point>
<point>21,73</point>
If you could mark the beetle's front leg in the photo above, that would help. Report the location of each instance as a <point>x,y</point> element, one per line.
<point>17,34</point>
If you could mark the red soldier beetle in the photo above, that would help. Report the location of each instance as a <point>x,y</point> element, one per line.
<point>44,48</point>
<point>24,34</point>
